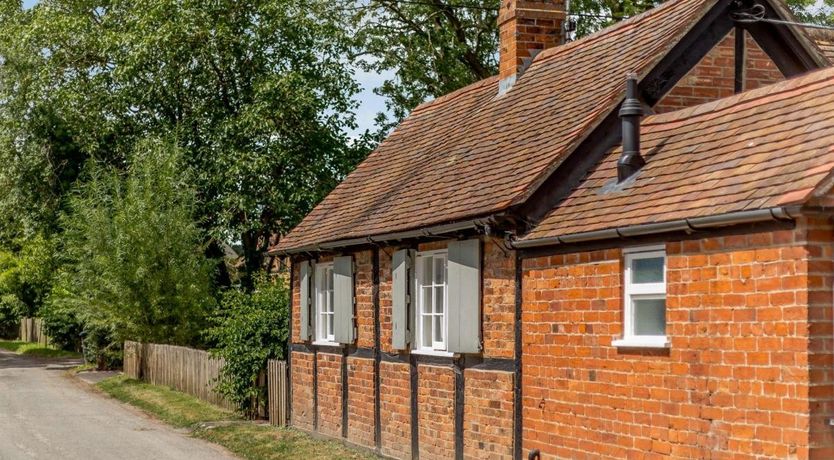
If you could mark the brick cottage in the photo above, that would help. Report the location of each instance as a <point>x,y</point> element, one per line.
<point>564,262</point>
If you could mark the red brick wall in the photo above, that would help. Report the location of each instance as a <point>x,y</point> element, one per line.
<point>436,411</point>
<point>395,409</point>
<point>488,415</point>
<point>498,300</point>
<point>714,77</point>
<point>820,269</point>
<point>750,372</point>
<point>735,380</point>
<point>330,394</point>
<point>759,69</point>
<point>364,285</point>
<point>385,302</point>
<point>361,401</point>
<point>302,390</point>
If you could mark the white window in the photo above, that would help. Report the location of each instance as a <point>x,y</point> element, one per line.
<point>432,301</point>
<point>644,316</point>
<point>325,329</point>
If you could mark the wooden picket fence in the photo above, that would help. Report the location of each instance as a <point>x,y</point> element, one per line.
<point>195,372</point>
<point>31,330</point>
<point>278,395</point>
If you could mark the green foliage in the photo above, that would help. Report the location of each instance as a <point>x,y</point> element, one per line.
<point>134,265</point>
<point>10,313</point>
<point>248,330</point>
<point>593,15</point>
<point>25,277</point>
<point>431,47</point>
<point>62,324</point>
<point>256,92</point>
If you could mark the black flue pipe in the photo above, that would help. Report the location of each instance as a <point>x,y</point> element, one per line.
<point>630,113</point>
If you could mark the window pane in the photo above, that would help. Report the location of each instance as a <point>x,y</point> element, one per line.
<point>439,270</point>
<point>330,327</point>
<point>649,316</point>
<point>427,299</point>
<point>647,270</point>
<point>438,328</point>
<point>427,342</point>
<point>438,299</point>
<point>427,270</point>
<point>330,300</point>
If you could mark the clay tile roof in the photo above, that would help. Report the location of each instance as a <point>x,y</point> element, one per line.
<point>766,148</point>
<point>824,40</point>
<point>471,154</point>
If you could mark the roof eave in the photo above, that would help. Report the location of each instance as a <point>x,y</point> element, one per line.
<point>437,230</point>
<point>690,225</point>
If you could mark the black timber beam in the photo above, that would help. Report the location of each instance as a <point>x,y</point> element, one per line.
<point>781,45</point>
<point>700,40</point>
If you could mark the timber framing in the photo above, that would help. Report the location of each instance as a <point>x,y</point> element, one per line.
<point>791,53</point>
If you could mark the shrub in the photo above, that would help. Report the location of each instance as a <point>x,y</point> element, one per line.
<point>134,266</point>
<point>248,330</point>
<point>10,312</point>
<point>62,325</point>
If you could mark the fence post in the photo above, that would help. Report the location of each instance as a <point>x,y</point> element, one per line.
<point>277,392</point>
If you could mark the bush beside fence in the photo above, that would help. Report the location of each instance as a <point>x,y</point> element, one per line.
<point>195,372</point>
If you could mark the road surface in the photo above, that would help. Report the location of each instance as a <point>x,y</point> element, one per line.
<point>44,414</point>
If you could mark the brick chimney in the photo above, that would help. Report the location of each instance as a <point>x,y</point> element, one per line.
<point>526,27</point>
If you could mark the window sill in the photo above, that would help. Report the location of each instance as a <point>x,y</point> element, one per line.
<point>442,354</point>
<point>325,343</point>
<point>642,342</point>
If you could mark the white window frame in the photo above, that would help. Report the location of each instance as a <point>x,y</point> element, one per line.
<point>324,301</point>
<point>641,291</point>
<point>436,347</point>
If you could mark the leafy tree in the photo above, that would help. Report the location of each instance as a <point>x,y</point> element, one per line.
<point>433,47</point>
<point>249,329</point>
<point>26,275</point>
<point>257,93</point>
<point>10,313</point>
<point>593,15</point>
<point>133,263</point>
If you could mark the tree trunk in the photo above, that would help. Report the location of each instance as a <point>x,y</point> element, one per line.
<point>222,279</point>
<point>253,255</point>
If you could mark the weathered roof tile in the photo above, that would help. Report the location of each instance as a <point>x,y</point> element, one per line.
<point>470,153</point>
<point>765,148</point>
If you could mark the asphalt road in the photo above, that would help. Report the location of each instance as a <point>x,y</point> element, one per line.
<point>44,414</point>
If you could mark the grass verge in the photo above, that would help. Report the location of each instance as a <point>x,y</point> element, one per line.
<point>37,350</point>
<point>264,442</point>
<point>248,440</point>
<point>170,406</point>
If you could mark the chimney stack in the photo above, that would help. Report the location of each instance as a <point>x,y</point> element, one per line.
<point>527,27</point>
<point>630,113</point>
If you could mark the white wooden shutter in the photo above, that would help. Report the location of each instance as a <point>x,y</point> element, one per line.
<point>464,312</point>
<point>343,299</point>
<point>306,270</point>
<point>401,276</point>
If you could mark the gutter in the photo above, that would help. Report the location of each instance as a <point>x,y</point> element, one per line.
<point>682,225</point>
<point>436,230</point>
